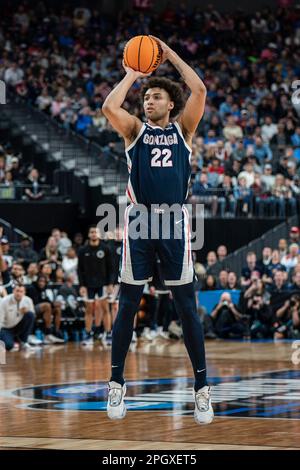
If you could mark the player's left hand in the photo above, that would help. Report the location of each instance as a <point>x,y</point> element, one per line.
<point>135,73</point>
<point>164,47</point>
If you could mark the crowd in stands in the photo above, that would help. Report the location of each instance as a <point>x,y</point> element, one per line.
<point>17,180</point>
<point>70,290</point>
<point>269,301</point>
<point>246,151</point>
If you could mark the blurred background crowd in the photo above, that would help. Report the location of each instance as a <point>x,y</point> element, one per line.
<point>246,151</point>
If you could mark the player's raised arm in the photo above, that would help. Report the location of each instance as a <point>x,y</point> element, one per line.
<point>194,107</point>
<point>123,122</point>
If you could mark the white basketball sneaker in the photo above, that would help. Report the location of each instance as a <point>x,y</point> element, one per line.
<point>204,413</point>
<point>116,408</point>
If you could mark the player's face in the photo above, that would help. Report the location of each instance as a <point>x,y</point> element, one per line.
<point>157,104</point>
<point>94,234</point>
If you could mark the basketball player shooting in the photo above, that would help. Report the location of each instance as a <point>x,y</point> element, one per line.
<point>158,155</point>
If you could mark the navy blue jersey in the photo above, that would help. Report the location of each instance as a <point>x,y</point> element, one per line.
<point>159,166</point>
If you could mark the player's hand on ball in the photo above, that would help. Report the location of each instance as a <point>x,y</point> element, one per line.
<point>135,73</point>
<point>164,47</point>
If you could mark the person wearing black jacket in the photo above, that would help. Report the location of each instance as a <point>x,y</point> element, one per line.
<point>46,306</point>
<point>95,275</point>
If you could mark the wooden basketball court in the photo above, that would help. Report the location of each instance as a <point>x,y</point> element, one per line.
<point>53,398</point>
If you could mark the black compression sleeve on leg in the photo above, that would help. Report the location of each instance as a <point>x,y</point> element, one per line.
<point>185,302</point>
<point>130,297</point>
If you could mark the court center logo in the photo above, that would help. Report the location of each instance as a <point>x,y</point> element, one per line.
<point>265,395</point>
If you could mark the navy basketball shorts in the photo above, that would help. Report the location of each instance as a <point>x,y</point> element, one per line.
<point>168,236</point>
<point>96,293</point>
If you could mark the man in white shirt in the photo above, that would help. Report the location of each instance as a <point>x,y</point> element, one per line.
<point>291,259</point>
<point>13,74</point>
<point>267,177</point>
<point>16,318</point>
<point>248,173</point>
<point>268,130</point>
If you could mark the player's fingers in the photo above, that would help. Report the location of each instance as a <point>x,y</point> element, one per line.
<point>156,39</point>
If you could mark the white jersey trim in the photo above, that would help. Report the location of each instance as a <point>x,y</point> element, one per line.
<point>181,135</point>
<point>136,139</point>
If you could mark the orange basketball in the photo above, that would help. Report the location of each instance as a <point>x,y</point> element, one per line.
<point>142,53</point>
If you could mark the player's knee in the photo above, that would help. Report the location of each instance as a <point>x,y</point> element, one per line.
<point>184,297</point>
<point>128,306</point>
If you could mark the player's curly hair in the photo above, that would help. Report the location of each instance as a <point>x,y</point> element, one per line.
<point>173,89</point>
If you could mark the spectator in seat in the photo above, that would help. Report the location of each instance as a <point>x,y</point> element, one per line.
<point>225,319</point>
<point>222,280</point>
<point>282,197</point>
<point>210,283</point>
<point>50,255</point>
<point>70,264</point>
<point>273,266</point>
<point>243,196</point>
<point>59,277</point>
<point>32,274</point>
<point>222,253</point>
<point>282,247</point>
<point>45,307</point>
<point>215,170</point>
<point>281,139</point>
<point>226,199</point>
<point>17,274</point>
<point>84,120</point>
<point>248,173</point>
<point>282,165</point>
<point>6,252</point>
<point>295,140</point>
<point>57,106</point>
<point>252,266</point>
<point>212,264</point>
<point>261,317</point>
<point>78,241</point>
<point>262,151</point>
<point>267,178</point>
<point>232,281</point>
<point>294,235</point>
<point>46,270</point>
<point>24,254</point>
<point>68,116</point>
<point>232,129</point>
<point>63,242</point>
<point>278,291</point>
<point>295,285</point>
<point>16,170</point>
<point>33,190</point>
<point>239,152</point>
<point>291,259</point>
<point>260,195</point>
<point>202,193</point>
<point>13,75</point>
<point>266,260</point>
<point>16,318</point>
<point>268,129</point>
<point>44,100</point>
<point>287,324</point>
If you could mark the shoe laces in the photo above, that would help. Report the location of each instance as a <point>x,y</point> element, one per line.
<point>202,399</point>
<point>115,396</point>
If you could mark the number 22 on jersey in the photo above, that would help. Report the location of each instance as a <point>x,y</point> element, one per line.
<point>161,158</point>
